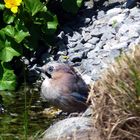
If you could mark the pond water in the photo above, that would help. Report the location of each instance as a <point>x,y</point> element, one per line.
<point>23,118</point>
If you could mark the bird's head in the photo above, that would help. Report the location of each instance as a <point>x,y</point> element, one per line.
<point>54,68</point>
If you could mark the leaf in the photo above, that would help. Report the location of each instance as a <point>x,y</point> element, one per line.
<point>7,53</point>
<point>1,71</point>
<point>8,17</point>
<point>9,30</point>
<point>8,81</point>
<point>2,39</point>
<point>2,6</point>
<point>20,35</point>
<point>53,24</point>
<point>33,6</point>
<point>79,3</point>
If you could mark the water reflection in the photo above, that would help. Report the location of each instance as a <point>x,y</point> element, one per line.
<point>23,115</point>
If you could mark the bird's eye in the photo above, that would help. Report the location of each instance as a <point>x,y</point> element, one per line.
<point>50,69</point>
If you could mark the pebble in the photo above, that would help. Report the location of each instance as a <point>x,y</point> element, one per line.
<point>79,128</point>
<point>117,19</point>
<point>88,45</point>
<point>76,57</point>
<point>114,11</point>
<point>93,40</point>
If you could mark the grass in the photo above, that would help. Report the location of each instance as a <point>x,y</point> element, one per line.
<point>116,99</point>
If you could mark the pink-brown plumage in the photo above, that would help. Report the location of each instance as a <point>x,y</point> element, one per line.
<point>64,88</point>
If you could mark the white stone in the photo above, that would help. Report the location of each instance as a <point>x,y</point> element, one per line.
<point>88,45</point>
<point>117,19</point>
<point>114,11</point>
<point>87,79</point>
<point>78,128</point>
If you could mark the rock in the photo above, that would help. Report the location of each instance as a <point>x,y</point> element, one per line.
<point>76,36</point>
<point>93,40</point>
<point>76,57</point>
<point>75,128</point>
<point>72,44</point>
<point>135,43</point>
<point>77,48</point>
<point>100,14</point>
<point>87,20</point>
<point>89,110</point>
<point>96,61</point>
<point>25,60</point>
<point>121,45</point>
<point>117,19</point>
<point>86,37</point>
<point>88,45</point>
<point>99,45</point>
<point>107,36</point>
<point>114,53</point>
<point>104,54</point>
<point>123,29</point>
<point>80,45</point>
<point>124,38</point>
<point>87,65</point>
<point>131,3</point>
<point>86,78</point>
<point>114,11</point>
<point>92,54</point>
<point>96,32</point>
<point>134,13</point>
<point>89,4</point>
<point>61,35</point>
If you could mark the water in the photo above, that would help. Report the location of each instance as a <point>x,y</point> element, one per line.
<point>23,118</point>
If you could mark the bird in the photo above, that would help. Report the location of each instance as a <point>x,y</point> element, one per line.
<point>63,87</point>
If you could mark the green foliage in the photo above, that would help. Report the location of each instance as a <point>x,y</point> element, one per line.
<point>19,31</point>
<point>33,7</point>
<point>25,29</point>
<point>7,78</point>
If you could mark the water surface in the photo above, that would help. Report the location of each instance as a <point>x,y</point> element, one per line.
<point>23,118</point>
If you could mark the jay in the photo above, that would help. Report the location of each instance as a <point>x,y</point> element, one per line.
<point>63,87</point>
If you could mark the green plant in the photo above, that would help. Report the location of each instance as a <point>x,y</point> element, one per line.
<point>25,24</point>
<point>116,98</point>
<point>114,23</point>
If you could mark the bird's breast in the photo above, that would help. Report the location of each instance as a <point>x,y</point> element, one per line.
<point>49,91</point>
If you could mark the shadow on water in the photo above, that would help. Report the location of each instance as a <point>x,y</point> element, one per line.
<point>23,118</point>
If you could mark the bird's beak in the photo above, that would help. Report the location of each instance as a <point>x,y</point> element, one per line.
<point>43,72</point>
<point>40,69</point>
